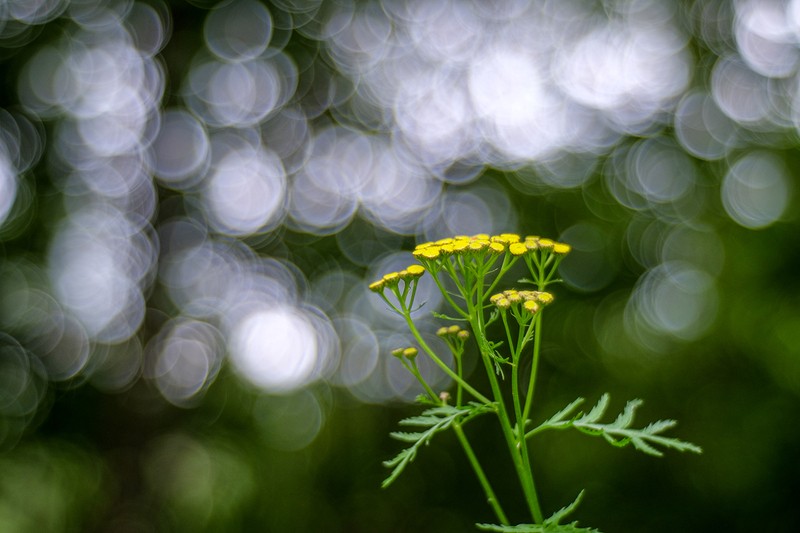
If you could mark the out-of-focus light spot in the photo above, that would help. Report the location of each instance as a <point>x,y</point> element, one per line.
<point>362,242</point>
<point>246,191</point>
<point>590,265</point>
<point>150,26</point>
<point>702,128</point>
<point>433,115</point>
<point>659,171</point>
<point>397,193</point>
<point>66,351</point>
<point>675,299</point>
<point>23,384</point>
<point>97,265</point>
<point>18,391</point>
<point>289,422</point>
<point>275,348</point>
<point>766,39</point>
<point>630,70</point>
<point>359,351</point>
<point>33,11</point>
<point>739,92</point>
<point>238,30</point>
<point>288,134</point>
<point>203,482</point>
<point>756,190</point>
<point>240,94</point>
<point>115,367</point>
<point>8,185</point>
<point>697,246</point>
<point>479,209</point>
<point>184,359</point>
<point>181,150</point>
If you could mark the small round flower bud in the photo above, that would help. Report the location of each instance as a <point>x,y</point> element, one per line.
<point>459,245</point>
<point>502,303</point>
<point>444,396</point>
<point>531,306</point>
<point>514,298</point>
<point>391,277</point>
<point>415,271</point>
<point>410,353</point>
<point>442,331</point>
<point>397,352</point>
<point>463,335</point>
<point>446,240</point>
<point>497,247</point>
<point>510,237</point>
<point>517,248</point>
<point>546,244</point>
<point>377,286</point>
<point>544,297</point>
<point>452,330</point>
<point>478,244</point>
<point>561,248</point>
<point>495,297</point>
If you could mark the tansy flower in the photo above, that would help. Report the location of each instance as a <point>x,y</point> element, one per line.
<point>517,248</point>
<point>561,248</point>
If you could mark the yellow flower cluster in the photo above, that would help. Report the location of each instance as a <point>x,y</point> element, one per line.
<point>530,300</point>
<point>393,278</point>
<point>510,242</point>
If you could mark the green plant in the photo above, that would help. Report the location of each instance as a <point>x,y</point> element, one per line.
<point>467,271</point>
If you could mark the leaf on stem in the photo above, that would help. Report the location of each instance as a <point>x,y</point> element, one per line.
<point>618,433</point>
<point>435,420</point>
<point>550,525</point>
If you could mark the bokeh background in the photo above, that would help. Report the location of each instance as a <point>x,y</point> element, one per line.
<point>193,195</point>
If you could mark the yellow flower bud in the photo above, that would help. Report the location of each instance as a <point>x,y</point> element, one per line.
<point>510,237</point>
<point>561,248</point>
<point>544,297</point>
<point>410,353</point>
<point>453,329</point>
<point>442,331</point>
<point>517,248</point>
<point>497,247</point>
<point>546,243</point>
<point>377,286</point>
<point>397,352</point>
<point>531,306</point>
<point>463,334</point>
<point>415,271</point>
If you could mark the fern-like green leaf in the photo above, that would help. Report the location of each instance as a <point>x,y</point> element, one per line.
<point>619,432</point>
<point>434,420</point>
<point>550,525</point>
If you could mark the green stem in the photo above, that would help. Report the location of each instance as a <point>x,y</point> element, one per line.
<point>515,443</point>
<point>435,358</point>
<point>491,498</point>
<point>537,338</point>
<point>414,369</point>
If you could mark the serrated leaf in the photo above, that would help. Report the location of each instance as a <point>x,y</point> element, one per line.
<point>597,411</point>
<point>618,433</point>
<point>405,436</point>
<point>537,528</point>
<point>565,511</point>
<point>625,418</point>
<point>435,419</point>
<point>550,525</point>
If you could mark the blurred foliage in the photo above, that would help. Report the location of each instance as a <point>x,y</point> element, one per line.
<point>712,340</point>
